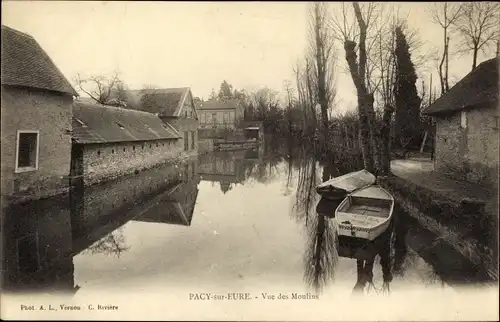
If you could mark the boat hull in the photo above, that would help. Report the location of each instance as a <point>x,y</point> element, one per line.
<point>365,214</point>
<point>339,187</point>
<point>360,232</point>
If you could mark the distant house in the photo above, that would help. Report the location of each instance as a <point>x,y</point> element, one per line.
<point>216,114</point>
<point>36,120</point>
<point>109,141</point>
<point>467,125</point>
<point>174,106</point>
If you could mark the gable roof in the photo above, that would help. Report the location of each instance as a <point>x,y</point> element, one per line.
<point>478,87</point>
<point>218,105</point>
<point>25,63</point>
<point>161,101</point>
<point>94,123</point>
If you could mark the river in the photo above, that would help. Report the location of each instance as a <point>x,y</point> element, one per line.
<point>241,221</point>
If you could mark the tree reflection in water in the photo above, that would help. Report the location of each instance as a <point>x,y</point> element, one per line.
<point>305,196</point>
<point>321,255</point>
<point>323,252</point>
<point>112,244</point>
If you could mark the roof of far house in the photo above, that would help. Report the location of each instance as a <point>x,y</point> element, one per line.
<point>161,101</point>
<point>218,105</point>
<point>94,123</point>
<point>25,63</point>
<point>479,87</point>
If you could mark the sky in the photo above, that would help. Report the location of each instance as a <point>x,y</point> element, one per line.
<point>192,44</point>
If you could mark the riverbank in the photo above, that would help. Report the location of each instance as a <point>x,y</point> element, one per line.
<point>463,215</point>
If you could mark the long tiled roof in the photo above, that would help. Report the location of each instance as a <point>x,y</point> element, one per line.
<point>479,87</point>
<point>94,123</point>
<point>161,101</point>
<point>218,105</point>
<point>25,63</point>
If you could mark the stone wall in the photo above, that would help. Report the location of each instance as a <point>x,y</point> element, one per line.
<point>467,145</point>
<point>50,114</point>
<point>482,144</point>
<point>103,162</point>
<point>450,145</point>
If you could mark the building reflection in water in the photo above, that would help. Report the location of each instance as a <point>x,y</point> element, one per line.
<point>229,168</point>
<point>37,246</point>
<point>44,236</point>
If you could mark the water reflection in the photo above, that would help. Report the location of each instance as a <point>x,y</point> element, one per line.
<point>325,246</point>
<point>44,236</point>
<point>166,215</point>
<point>37,246</point>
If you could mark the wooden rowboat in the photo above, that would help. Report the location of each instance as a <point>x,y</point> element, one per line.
<point>365,213</point>
<point>339,187</point>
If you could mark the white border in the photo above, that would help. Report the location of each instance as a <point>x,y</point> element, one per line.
<point>27,169</point>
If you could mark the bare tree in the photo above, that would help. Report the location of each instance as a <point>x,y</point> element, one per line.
<point>321,42</point>
<point>99,87</point>
<point>311,93</point>
<point>478,24</point>
<point>290,96</point>
<point>348,34</point>
<point>445,15</point>
<point>301,102</point>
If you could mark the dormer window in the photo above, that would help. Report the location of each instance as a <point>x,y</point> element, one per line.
<point>119,125</point>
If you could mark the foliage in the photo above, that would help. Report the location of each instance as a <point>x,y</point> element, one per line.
<point>225,91</point>
<point>407,116</point>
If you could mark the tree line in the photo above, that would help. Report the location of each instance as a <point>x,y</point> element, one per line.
<point>377,49</point>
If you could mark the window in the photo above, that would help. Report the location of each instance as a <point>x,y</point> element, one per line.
<point>27,151</point>
<point>202,120</point>
<point>133,147</point>
<point>192,140</point>
<point>98,152</point>
<point>123,149</point>
<point>495,122</point>
<point>214,118</point>
<point>226,117</point>
<point>112,151</point>
<point>463,119</point>
<point>186,139</point>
